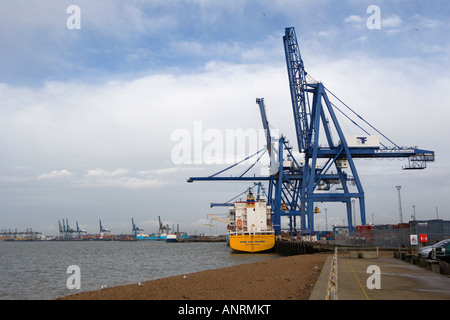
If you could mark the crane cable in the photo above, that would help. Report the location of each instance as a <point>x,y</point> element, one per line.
<point>360,118</point>
<point>314,80</point>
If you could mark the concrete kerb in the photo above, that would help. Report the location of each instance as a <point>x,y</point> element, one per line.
<point>326,287</point>
<point>320,288</point>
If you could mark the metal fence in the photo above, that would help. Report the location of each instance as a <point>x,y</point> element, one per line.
<point>398,235</point>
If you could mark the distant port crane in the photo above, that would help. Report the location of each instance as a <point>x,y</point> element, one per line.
<point>299,179</point>
<point>10,235</point>
<point>65,231</point>
<point>135,229</point>
<point>79,231</point>
<point>163,228</point>
<point>103,230</point>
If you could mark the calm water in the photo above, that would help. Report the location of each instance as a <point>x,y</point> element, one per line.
<point>37,270</point>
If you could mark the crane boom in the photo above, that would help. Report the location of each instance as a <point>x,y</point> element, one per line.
<point>262,110</point>
<point>298,87</point>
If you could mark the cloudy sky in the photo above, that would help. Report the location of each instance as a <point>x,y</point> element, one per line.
<point>91,113</point>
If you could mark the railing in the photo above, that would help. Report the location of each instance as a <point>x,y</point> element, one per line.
<point>333,279</point>
<point>262,231</point>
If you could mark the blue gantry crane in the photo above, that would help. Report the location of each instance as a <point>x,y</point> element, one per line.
<point>135,229</point>
<point>317,172</point>
<point>102,230</point>
<point>79,231</point>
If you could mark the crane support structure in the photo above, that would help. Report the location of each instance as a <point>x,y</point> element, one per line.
<point>216,218</point>
<point>135,229</point>
<point>318,171</point>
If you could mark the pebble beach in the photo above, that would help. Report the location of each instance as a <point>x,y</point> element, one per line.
<point>284,278</point>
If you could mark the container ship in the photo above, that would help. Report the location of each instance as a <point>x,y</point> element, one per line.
<point>250,227</point>
<point>172,237</point>
<point>153,236</point>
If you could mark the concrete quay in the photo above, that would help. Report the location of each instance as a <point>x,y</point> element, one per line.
<point>397,280</point>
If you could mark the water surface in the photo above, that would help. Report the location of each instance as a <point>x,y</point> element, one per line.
<point>37,270</point>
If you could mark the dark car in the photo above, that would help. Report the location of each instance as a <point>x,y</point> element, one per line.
<point>442,252</point>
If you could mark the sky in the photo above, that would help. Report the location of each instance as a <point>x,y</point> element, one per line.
<point>96,103</point>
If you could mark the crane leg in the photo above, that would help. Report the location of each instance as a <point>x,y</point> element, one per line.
<point>351,230</point>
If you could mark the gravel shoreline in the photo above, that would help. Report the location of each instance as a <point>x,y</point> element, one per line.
<point>284,278</point>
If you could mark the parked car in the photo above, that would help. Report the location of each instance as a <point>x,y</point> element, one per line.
<point>442,252</point>
<point>427,252</point>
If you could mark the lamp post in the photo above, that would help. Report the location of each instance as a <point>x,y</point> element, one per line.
<point>400,203</point>
<point>354,213</point>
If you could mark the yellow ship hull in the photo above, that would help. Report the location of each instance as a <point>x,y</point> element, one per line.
<point>252,242</point>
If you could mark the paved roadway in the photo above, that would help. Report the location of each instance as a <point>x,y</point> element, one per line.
<point>399,280</point>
